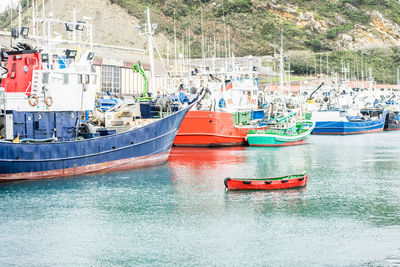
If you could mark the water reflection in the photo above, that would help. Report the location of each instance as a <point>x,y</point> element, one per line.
<point>267,202</point>
<point>205,168</point>
<point>179,213</point>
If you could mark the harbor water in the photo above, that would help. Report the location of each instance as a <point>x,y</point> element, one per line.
<point>179,214</point>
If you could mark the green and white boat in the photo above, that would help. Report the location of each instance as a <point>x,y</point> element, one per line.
<point>286,135</point>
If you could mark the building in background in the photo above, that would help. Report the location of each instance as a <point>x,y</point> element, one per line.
<point>116,75</point>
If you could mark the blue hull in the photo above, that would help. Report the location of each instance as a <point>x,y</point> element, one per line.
<point>392,122</point>
<point>344,128</point>
<point>145,146</point>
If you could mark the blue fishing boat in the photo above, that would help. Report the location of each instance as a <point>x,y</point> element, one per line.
<point>392,122</point>
<point>339,122</point>
<point>45,95</point>
<point>46,158</point>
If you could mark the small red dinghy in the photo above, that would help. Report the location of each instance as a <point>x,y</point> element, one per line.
<point>270,183</point>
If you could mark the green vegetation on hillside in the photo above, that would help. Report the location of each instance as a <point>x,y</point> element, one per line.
<point>5,17</point>
<point>380,63</point>
<point>254,27</point>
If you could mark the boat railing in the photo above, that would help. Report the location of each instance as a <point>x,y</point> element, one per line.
<point>272,131</point>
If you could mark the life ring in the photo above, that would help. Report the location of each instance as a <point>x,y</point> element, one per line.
<point>33,100</point>
<point>49,101</point>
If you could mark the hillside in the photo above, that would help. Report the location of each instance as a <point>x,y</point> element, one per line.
<point>113,25</point>
<point>341,32</point>
<point>334,32</point>
<point>318,25</point>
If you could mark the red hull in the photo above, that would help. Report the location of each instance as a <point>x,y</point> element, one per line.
<point>392,129</point>
<point>118,165</point>
<point>294,143</point>
<point>265,184</point>
<point>209,128</point>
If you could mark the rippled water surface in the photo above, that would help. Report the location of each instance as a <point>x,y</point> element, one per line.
<point>179,214</point>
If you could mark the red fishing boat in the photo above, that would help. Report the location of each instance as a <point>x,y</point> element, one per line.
<point>270,183</point>
<point>224,116</point>
<point>210,128</point>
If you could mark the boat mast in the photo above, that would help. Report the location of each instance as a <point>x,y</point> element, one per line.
<point>183,69</point>
<point>281,68</point>
<point>231,50</point>
<point>320,67</point>
<point>19,18</point>
<point>223,18</point>
<point>362,71</point>
<point>288,83</point>
<point>43,16</point>
<point>202,39</point>
<point>214,54</point>
<point>151,55</point>
<point>11,22</point>
<point>33,19</point>
<point>371,80</point>
<point>168,54</point>
<point>188,53</point>
<point>74,23</point>
<point>327,65</point>
<point>175,62</point>
<point>36,18</point>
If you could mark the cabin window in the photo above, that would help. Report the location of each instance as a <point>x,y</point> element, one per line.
<point>66,78</point>
<point>86,80</point>
<point>29,61</point>
<point>45,78</point>
<point>13,70</point>
<point>80,78</point>
<point>110,79</point>
<point>93,79</point>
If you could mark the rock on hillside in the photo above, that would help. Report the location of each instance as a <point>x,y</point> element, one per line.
<point>380,31</point>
